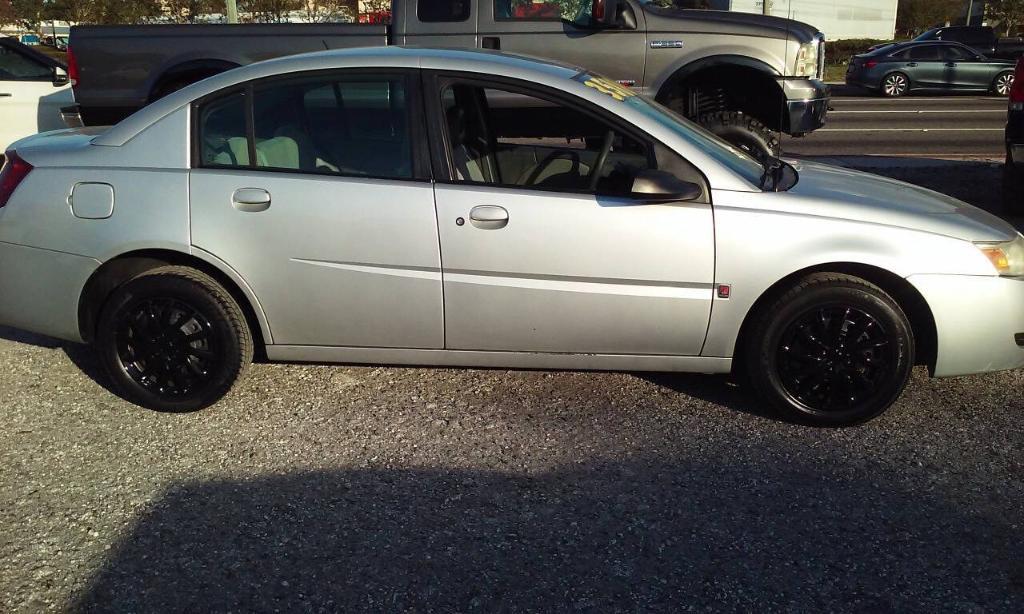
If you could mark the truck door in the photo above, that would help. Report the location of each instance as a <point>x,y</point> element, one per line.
<point>437,23</point>
<point>565,32</point>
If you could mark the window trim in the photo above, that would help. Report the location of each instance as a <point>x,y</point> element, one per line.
<point>421,166</point>
<point>469,14</point>
<point>435,81</point>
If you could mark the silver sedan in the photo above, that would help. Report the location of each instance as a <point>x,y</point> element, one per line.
<point>403,206</point>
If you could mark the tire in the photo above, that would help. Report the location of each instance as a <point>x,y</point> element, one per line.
<point>743,131</point>
<point>800,357</point>
<point>174,340</point>
<point>895,85</point>
<point>1002,84</point>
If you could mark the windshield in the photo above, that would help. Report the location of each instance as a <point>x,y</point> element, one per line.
<point>735,159</point>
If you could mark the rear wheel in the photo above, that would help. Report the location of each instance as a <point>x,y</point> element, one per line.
<point>834,350</point>
<point>173,339</point>
<point>1003,83</point>
<point>895,85</point>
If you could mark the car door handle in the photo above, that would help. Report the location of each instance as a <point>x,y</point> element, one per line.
<point>251,200</point>
<point>951,64</point>
<point>912,64</point>
<point>5,95</point>
<point>491,42</point>
<point>489,217</point>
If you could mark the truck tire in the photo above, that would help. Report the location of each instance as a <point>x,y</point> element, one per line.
<point>743,131</point>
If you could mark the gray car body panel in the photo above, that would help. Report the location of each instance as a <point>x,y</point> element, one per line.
<point>611,290</point>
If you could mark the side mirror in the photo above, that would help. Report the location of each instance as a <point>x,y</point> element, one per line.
<point>652,186</point>
<point>604,12</point>
<point>60,77</point>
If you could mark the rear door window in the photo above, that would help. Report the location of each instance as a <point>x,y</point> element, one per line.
<point>353,125</point>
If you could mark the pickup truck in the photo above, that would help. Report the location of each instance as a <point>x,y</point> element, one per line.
<point>983,39</point>
<point>745,77</point>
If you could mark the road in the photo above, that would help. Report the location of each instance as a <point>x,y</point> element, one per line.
<point>948,127</point>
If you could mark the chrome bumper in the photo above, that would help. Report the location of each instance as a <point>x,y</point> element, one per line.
<point>807,103</point>
<point>979,321</point>
<point>72,116</point>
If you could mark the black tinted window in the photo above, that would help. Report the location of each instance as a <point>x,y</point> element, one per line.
<point>351,126</point>
<point>222,133</point>
<point>958,53</point>
<point>16,67</point>
<point>442,10</point>
<point>925,53</point>
<point>543,10</point>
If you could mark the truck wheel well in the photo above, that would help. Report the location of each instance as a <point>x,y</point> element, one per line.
<point>116,272</point>
<point>179,76</point>
<point>726,87</point>
<point>922,321</point>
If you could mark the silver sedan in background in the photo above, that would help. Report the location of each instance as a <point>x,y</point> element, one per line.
<point>441,207</point>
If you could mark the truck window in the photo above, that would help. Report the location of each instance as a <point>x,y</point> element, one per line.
<point>16,67</point>
<point>543,10</point>
<point>430,11</point>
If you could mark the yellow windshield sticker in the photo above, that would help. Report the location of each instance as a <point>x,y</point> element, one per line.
<point>607,86</point>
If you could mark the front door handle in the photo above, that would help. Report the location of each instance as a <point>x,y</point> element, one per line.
<point>491,42</point>
<point>251,200</point>
<point>951,64</point>
<point>912,64</point>
<point>488,217</point>
<point>5,95</point>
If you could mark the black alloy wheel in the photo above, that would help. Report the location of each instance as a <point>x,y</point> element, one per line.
<point>833,350</point>
<point>173,339</point>
<point>835,357</point>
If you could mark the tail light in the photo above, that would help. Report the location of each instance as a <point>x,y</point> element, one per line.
<point>14,171</point>
<point>1017,91</point>
<point>870,64</point>
<point>72,67</point>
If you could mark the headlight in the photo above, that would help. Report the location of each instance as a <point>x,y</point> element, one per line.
<point>807,59</point>
<point>1007,258</point>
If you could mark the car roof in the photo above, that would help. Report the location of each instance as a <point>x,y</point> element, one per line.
<point>465,60</point>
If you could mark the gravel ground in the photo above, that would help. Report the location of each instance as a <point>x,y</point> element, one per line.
<point>383,489</point>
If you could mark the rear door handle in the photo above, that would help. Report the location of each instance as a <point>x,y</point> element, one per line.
<point>251,200</point>
<point>5,95</point>
<point>488,217</point>
<point>912,64</point>
<point>951,64</point>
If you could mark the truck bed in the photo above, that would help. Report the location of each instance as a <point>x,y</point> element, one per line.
<point>123,67</point>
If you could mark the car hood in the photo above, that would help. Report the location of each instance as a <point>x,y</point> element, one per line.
<point>661,19</point>
<point>836,192</point>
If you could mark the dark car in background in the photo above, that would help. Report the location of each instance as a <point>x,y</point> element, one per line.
<point>899,69</point>
<point>982,39</point>
<point>1013,176</point>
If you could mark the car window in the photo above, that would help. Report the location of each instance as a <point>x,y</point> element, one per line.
<point>577,11</point>
<point>901,55</point>
<point>223,139</point>
<point>352,126</point>
<point>15,66</point>
<point>925,53</point>
<point>498,136</point>
<point>442,10</point>
<point>958,53</point>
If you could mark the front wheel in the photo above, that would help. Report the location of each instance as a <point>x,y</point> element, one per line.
<point>1003,83</point>
<point>834,350</point>
<point>895,85</point>
<point>745,132</point>
<point>173,339</point>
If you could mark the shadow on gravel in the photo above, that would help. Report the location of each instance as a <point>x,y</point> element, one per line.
<point>637,536</point>
<point>718,389</point>
<point>81,355</point>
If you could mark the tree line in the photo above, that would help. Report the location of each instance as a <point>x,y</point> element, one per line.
<point>915,16</point>
<point>30,13</point>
